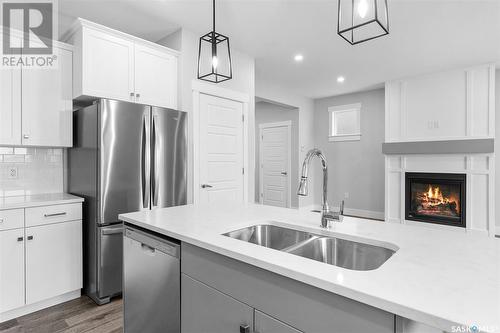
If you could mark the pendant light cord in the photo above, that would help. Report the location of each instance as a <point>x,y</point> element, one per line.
<point>213,11</point>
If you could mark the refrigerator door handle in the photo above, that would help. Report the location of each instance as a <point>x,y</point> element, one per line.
<point>144,164</point>
<point>154,162</point>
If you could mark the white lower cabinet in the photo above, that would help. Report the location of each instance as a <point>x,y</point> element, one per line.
<point>53,260</point>
<point>11,269</point>
<point>40,258</point>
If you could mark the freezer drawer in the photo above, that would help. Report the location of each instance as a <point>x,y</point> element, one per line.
<point>151,291</point>
<point>110,256</point>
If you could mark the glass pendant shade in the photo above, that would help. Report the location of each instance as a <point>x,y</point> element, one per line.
<point>214,56</point>
<point>362,20</point>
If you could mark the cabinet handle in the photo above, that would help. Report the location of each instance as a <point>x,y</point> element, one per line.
<point>20,239</point>
<point>30,237</point>
<point>131,94</point>
<point>206,186</point>
<point>1,220</point>
<point>26,136</point>
<point>244,329</point>
<point>54,214</point>
<point>137,95</point>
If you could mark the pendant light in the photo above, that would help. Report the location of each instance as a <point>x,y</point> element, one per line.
<point>214,56</point>
<point>362,20</point>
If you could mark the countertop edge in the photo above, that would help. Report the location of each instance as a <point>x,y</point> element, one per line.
<point>44,202</point>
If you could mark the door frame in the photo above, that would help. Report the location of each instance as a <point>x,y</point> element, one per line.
<point>198,89</point>
<point>288,125</point>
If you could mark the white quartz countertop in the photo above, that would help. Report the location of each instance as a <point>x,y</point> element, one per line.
<point>37,200</point>
<point>437,277</point>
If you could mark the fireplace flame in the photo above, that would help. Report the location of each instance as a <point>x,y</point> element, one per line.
<point>434,197</point>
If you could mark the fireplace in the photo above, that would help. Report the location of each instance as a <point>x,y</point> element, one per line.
<point>436,198</point>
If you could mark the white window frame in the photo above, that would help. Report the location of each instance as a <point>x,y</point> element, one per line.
<point>332,110</point>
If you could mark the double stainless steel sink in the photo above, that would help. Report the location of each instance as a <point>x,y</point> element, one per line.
<point>330,250</point>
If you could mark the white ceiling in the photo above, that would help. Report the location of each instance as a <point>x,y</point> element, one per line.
<point>425,36</point>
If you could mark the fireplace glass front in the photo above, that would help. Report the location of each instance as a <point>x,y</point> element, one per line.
<point>436,198</point>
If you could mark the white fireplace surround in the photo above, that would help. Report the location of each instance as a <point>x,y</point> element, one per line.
<point>479,171</point>
<point>448,106</point>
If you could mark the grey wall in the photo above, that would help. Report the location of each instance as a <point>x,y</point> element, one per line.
<point>497,149</point>
<point>356,167</point>
<point>271,113</point>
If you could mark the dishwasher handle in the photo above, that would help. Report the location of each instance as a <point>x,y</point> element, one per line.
<point>152,243</point>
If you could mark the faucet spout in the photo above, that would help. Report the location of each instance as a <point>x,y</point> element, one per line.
<point>326,214</point>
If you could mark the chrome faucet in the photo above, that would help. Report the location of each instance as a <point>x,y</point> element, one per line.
<point>327,215</point>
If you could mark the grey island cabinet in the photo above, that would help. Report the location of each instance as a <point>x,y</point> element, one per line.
<point>224,295</point>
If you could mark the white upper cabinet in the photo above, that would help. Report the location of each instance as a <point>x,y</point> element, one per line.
<point>36,103</point>
<point>10,105</point>
<point>112,64</point>
<point>107,66</point>
<point>155,76</point>
<point>457,104</point>
<point>47,103</point>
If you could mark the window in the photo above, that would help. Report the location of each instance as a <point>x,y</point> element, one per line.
<point>345,122</point>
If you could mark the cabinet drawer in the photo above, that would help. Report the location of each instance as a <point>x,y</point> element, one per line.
<point>53,214</point>
<point>11,219</point>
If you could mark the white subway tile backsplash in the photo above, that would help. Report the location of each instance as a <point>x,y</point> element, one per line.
<point>20,151</point>
<point>6,150</point>
<point>13,158</point>
<point>39,170</point>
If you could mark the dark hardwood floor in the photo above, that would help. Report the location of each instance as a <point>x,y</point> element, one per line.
<point>79,315</point>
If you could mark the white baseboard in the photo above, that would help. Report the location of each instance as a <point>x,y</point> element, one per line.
<point>370,214</point>
<point>30,308</point>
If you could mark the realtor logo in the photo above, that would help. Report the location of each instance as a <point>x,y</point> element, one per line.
<point>34,20</point>
<point>28,33</point>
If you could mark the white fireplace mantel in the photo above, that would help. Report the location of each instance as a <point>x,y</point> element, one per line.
<point>440,110</point>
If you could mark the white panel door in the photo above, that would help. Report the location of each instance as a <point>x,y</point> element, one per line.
<point>48,103</point>
<point>108,66</point>
<point>10,106</point>
<point>221,150</point>
<point>53,260</point>
<point>275,165</point>
<point>155,77</point>
<point>11,269</point>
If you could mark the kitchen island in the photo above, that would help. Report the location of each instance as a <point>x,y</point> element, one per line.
<point>437,280</point>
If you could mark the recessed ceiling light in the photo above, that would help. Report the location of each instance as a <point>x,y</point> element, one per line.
<point>298,57</point>
<point>340,79</point>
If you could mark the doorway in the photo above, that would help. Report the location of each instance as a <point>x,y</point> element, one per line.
<point>277,154</point>
<point>221,167</point>
<point>275,163</point>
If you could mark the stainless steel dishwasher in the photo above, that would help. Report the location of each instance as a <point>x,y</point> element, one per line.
<point>151,286</point>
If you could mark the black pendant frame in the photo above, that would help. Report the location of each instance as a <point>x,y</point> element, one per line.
<point>215,41</point>
<point>352,28</point>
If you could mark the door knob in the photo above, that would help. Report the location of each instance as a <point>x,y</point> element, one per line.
<point>206,186</point>
<point>284,173</point>
<point>137,95</point>
<point>26,136</point>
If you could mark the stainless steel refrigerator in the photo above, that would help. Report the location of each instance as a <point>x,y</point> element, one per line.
<point>126,157</point>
